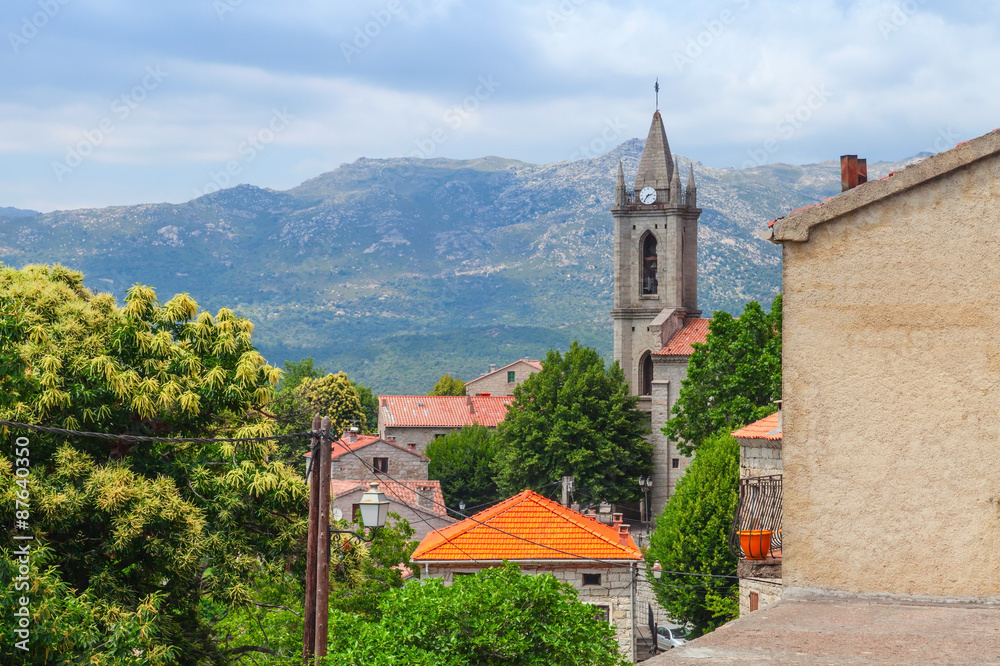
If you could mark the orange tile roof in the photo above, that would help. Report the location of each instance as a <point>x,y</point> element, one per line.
<point>695,329</point>
<point>342,446</point>
<point>766,428</point>
<point>403,492</point>
<point>444,411</point>
<point>541,524</point>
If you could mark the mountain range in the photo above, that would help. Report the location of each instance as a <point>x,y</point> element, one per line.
<point>398,271</point>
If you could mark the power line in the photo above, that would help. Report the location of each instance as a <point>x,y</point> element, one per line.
<point>144,438</point>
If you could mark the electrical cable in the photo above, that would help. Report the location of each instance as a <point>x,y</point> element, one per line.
<point>144,438</point>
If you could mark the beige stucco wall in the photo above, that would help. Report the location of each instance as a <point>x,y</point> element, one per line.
<point>495,383</point>
<point>891,368</point>
<point>614,590</point>
<point>403,466</point>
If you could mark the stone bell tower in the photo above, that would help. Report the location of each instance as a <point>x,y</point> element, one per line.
<point>655,290</point>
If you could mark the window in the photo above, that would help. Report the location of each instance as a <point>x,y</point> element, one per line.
<point>675,463</point>
<point>648,264</point>
<point>603,613</point>
<point>591,579</point>
<point>380,465</point>
<point>510,376</point>
<point>754,601</point>
<point>646,374</point>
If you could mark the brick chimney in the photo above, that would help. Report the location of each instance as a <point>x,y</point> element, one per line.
<point>493,367</point>
<point>853,172</point>
<point>468,401</point>
<point>411,446</point>
<point>385,401</point>
<point>352,434</point>
<point>779,414</point>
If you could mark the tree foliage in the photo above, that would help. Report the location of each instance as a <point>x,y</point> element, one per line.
<point>733,379</point>
<point>150,531</point>
<point>463,462</point>
<point>496,617</point>
<point>334,396</point>
<point>692,536</point>
<point>448,385</point>
<point>574,417</point>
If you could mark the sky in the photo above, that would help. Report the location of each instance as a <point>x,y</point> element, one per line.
<point>115,102</point>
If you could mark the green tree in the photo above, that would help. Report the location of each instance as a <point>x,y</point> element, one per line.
<point>732,380</point>
<point>574,417</point>
<point>369,405</point>
<point>463,462</point>
<point>691,536</point>
<point>448,385</point>
<point>294,373</point>
<point>515,620</point>
<point>139,530</point>
<point>333,396</point>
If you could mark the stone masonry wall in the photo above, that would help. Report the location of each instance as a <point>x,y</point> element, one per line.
<point>403,466</point>
<point>496,383</point>
<point>767,594</point>
<point>762,458</point>
<point>419,436</point>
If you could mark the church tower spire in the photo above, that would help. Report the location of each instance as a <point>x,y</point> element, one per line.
<point>675,187</point>
<point>656,167</point>
<point>691,195</point>
<point>620,186</point>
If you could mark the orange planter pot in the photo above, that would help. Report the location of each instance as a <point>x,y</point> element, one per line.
<point>756,544</point>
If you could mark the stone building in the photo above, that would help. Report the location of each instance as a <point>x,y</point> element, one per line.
<point>371,458</point>
<point>759,508</point>
<point>891,432</point>
<point>656,315</point>
<point>418,419</point>
<point>891,361</point>
<point>501,381</point>
<point>531,527</point>
<point>420,502</point>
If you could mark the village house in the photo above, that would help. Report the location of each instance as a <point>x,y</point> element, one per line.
<point>418,419</point>
<point>502,381</point>
<point>544,537</point>
<point>756,533</point>
<point>420,502</point>
<point>891,432</point>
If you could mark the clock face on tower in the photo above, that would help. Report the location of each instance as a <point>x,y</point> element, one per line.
<point>647,195</point>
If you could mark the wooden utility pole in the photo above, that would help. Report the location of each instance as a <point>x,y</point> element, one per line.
<point>309,624</point>
<point>323,542</point>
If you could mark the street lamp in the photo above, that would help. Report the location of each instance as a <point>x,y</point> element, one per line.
<point>645,485</point>
<point>374,508</point>
<point>657,570</point>
<point>461,505</point>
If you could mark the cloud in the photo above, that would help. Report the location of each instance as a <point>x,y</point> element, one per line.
<point>733,72</point>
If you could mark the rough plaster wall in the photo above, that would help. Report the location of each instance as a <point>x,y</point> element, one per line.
<point>614,590</point>
<point>402,466</point>
<point>767,594</point>
<point>891,369</point>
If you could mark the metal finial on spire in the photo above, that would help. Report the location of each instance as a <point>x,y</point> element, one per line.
<point>656,88</point>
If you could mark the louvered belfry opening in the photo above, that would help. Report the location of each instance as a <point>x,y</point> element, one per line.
<point>649,283</point>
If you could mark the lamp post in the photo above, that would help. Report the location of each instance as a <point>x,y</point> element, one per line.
<point>374,509</point>
<point>645,485</point>
<point>461,505</point>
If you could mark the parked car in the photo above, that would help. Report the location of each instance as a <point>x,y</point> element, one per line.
<point>670,637</point>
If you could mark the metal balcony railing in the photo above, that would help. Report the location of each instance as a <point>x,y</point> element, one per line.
<point>758,512</point>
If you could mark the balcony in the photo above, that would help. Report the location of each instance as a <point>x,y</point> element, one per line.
<point>757,514</point>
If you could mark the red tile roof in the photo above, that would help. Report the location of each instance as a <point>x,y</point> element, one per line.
<point>766,428</point>
<point>403,492</point>
<point>444,411</point>
<point>342,446</point>
<point>695,329</point>
<point>532,527</point>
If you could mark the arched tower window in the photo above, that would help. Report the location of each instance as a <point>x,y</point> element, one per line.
<point>646,374</point>
<point>648,263</point>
